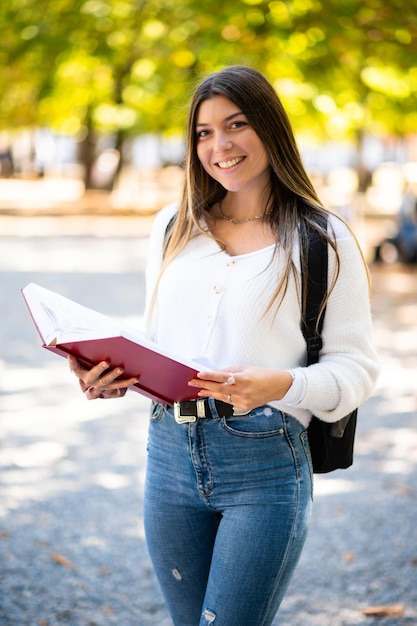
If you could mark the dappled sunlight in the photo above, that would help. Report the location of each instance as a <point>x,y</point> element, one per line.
<point>395,403</point>
<point>68,468</point>
<point>110,480</point>
<point>47,429</point>
<point>388,451</point>
<point>394,378</point>
<point>72,255</point>
<point>73,471</point>
<point>26,378</point>
<point>33,455</point>
<point>397,466</point>
<point>33,485</point>
<point>407,314</point>
<point>138,192</point>
<point>93,541</point>
<point>41,194</point>
<point>329,486</point>
<point>386,441</point>
<point>40,395</point>
<point>397,280</point>
<point>395,447</point>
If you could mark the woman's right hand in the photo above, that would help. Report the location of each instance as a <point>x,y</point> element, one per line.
<point>100,381</point>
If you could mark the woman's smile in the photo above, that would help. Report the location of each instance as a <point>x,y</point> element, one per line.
<point>225,165</point>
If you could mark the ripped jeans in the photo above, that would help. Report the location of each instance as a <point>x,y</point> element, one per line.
<point>227,505</point>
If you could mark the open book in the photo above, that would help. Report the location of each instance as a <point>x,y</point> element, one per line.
<point>66,327</point>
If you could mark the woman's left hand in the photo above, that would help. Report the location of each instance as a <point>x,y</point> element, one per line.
<point>100,381</point>
<point>245,387</point>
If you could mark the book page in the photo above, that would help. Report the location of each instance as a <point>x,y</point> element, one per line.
<point>60,319</point>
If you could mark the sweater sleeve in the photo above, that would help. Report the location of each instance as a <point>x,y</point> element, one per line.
<point>348,367</point>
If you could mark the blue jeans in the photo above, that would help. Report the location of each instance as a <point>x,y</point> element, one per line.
<point>227,505</point>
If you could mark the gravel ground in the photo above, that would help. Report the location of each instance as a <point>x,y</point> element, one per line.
<point>71,538</point>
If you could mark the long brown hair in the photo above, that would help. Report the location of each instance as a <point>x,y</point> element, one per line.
<point>293,201</point>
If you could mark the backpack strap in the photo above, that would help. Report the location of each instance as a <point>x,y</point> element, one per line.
<point>315,249</point>
<point>331,445</point>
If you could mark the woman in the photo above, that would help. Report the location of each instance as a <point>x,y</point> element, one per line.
<point>229,483</point>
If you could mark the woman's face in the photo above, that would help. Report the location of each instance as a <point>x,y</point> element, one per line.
<point>228,147</point>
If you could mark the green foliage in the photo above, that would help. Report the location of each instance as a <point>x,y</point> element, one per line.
<point>340,66</point>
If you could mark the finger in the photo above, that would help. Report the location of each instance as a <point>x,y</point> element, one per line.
<point>91,393</point>
<point>87,375</point>
<point>96,372</point>
<point>91,377</point>
<point>229,398</point>
<point>218,377</point>
<point>116,389</point>
<point>211,388</point>
<point>215,377</point>
<point>110,384</point>
<point>125,383</point>
<point>114,393</point>
<point>108,377</point>
<point>83,386</point>
<point>74,364</point>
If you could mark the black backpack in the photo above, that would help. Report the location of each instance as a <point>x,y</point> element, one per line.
<point>331,445</point>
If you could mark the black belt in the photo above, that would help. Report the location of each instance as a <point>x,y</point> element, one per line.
<point>190,410</point>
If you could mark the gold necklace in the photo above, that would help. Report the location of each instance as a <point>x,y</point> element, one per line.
<point>235,221</point>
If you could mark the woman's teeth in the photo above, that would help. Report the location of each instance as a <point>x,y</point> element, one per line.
<point>226,164</point>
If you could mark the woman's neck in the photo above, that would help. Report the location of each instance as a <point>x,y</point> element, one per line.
<point>244,206</point>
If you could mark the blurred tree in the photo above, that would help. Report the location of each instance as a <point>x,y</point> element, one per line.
<point>355,70</point>
<point>87,67</point>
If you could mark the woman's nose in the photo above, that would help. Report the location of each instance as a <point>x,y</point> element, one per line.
<point>222,143</point>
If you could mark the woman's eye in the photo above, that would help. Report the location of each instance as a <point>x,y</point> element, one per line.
<point>238,124</point>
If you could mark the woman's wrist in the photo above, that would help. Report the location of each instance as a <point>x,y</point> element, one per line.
<point>288,381</point>
<point>292,374</point>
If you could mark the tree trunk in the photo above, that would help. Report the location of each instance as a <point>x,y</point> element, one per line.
<point>87,153</point>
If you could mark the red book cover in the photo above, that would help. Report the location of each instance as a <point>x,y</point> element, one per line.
<point>66,327</point>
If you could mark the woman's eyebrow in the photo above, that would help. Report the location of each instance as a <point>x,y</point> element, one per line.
<point>226,119</point>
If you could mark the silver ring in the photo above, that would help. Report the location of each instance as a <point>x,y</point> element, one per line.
<point>229,399</point>
<point>231,380</point>
<point>102,382</point>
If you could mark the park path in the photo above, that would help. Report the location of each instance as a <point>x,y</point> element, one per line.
<point>72,550</point>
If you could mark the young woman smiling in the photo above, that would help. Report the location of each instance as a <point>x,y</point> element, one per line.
<point>228,491</point>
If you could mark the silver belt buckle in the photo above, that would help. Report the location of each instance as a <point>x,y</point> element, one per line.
<point>239,412</point>
<point>182,419</point>
<point>189,419</point>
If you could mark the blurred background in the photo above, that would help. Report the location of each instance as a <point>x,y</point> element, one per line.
<point>93,100</point>
<point>93,97</point>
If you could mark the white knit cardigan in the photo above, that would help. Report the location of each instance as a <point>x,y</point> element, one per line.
<point>210,307</point>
